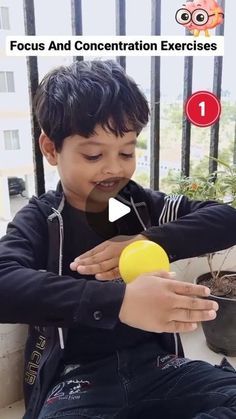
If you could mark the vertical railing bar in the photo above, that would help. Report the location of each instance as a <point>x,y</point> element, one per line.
<point>121,26</point>
<point>33,80</point>
<point>234,151</point>
<point>186,124</point>
<point>76,22</point>
<point>217,83</point>
<point>155,100</point>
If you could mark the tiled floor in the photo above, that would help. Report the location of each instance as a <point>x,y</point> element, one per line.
<point>194,346</point>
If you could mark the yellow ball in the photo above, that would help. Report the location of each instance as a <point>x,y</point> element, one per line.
<point>140,257</point>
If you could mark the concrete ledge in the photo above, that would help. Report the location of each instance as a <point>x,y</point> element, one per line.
<point>12,340</point>
<point>15,411</point>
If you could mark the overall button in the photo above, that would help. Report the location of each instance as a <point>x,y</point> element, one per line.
<point>97,315</point>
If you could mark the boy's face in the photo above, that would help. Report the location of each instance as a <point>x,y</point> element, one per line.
<point>83,162</point>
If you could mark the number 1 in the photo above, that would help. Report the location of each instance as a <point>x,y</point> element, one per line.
<point>203,108</point>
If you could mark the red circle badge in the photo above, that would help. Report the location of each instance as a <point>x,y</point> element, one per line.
<point>203,108</point>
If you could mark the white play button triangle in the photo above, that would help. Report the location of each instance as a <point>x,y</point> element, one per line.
<point>116,209</point>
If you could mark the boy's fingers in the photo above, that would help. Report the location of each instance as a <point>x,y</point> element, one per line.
<point>194,303</point>
<point>167,275</point>
<point>184,288</point>
<point>73,266</point>
<point>115,273</point>
<point>193,316</point>
<point>161,274</point>
<point>109,276</point>
<point>92,257</point>
<point>88,260</point>
<point>97,258</point>
<point>97,268</point>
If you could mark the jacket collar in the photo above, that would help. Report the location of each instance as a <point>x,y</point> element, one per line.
<point>131,190</point>
<point>132,195</point>
<point>52,203</point>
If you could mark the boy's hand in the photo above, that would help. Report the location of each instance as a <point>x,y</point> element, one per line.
<point>103,260</point>
<point>155,303</point>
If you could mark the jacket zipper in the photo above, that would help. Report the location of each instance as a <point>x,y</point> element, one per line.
<point>61,233</point>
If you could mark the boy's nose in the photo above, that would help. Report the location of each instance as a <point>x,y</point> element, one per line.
<point>113,168</point>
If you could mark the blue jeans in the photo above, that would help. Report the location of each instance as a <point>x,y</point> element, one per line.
<point>137,383</point>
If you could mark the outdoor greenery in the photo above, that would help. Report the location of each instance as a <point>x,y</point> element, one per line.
<point>142,178</point>
<point>219,186</point>
<point>170,153</point>
<point>171,140</point>
<point>142,142</point>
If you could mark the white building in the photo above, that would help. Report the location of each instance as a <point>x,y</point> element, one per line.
<point>15,130</point>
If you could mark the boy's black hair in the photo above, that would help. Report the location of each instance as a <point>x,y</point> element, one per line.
<point>74,99</point>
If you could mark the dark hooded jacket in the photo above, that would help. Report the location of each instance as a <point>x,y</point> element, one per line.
<point>34,290</point>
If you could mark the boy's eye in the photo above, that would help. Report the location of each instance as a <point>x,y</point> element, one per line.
<point>128,156</point>
<point>92,157</point>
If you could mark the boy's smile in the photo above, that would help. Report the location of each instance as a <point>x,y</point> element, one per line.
<point>108,185</point>
<point>93,169</point>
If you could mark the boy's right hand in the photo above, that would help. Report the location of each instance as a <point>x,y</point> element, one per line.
<point>155,303</point>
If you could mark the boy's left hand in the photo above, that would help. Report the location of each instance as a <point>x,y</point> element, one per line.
<point>103,260</point>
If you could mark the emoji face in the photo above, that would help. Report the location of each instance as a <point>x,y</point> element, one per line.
<point>200,15</point>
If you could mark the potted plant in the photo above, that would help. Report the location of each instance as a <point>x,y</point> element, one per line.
<point>220,333</point>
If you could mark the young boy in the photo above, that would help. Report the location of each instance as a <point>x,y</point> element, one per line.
<point>98,348</point>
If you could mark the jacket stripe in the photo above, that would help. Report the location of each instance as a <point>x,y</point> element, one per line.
<point>170,209</point>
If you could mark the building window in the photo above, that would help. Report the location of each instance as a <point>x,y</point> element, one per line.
<point>4,18</point>
<point>7,81</point>
<point>11,140</point>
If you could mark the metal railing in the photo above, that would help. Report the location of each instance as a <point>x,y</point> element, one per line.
<point>76,13</point>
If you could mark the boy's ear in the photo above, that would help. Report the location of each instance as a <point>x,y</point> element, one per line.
<point>48,149</point>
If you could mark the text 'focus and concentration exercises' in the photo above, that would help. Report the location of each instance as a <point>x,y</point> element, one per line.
<point>127,45</point>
